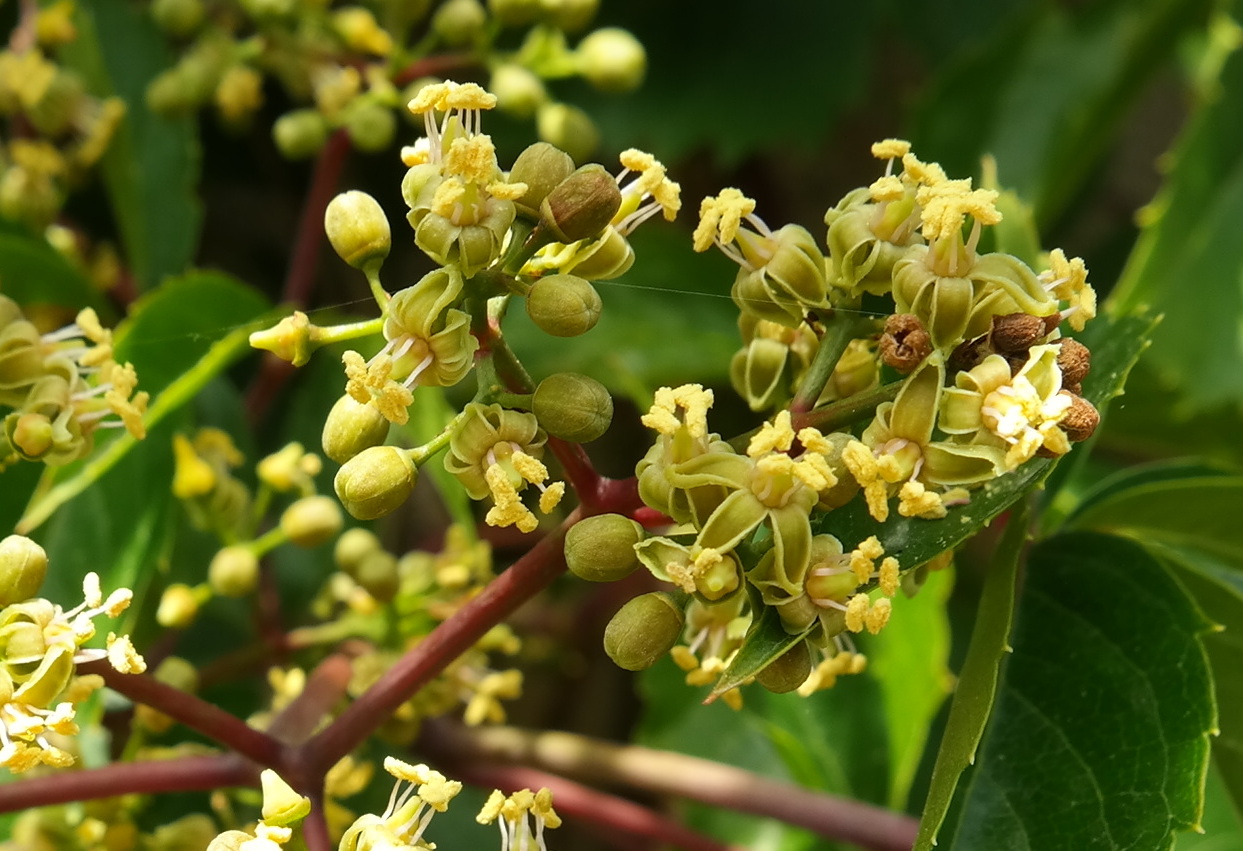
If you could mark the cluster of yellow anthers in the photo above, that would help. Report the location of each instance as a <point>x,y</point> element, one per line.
<point>511,816</point>
<point>58,388</point>
<point>40,647</point>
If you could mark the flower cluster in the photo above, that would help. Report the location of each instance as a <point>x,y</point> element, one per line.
<point>40,646</point>
<point>66,130</point>
<point>59,388</point>
<point>986,382</point>
<point>541,231</point>
<point>349,67</point>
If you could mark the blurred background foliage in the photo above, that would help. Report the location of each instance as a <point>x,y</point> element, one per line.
<point>1120,122</point>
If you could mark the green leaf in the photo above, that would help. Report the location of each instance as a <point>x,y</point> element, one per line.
<point>913,541</point>
<point>1218,591</point>
<point>1201,512</point>
<point>33,272</point>
<point>977,683</point>
<point>1144,474</point>
<point>1100,734</point>
<point>151,167</point>
<point>1190,247</point>
<point>1053,67</point>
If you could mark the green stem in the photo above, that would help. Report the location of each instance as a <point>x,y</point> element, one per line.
<point>842,329</point>
<point>323,335</point>
<point>419,454</point>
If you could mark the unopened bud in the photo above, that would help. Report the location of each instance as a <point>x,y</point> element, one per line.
<point>514,13</point>
<point>601,548</point>
<point>569,128</point>
<point>570,15</point>
<point>358,229</point>
<point>612,60</point>
<point>351,427</point>
<point>459,22</point>
<point>582,205</point>
<point>233,572</point>
<point>179,606</point>
<point>572,407</point>
<point>311,521</point>
<point>541,167</point>
<point>291,339</point>
<point>377,573</point>
<point>281,804</point>
<point>371,126</point>
<point>375,481</point>
<point>643,630</point>
<point>178,18</point>
<point>352,547</point>
<point>300,134</point>
<point>23,567</point>
<point>519,92</point>
<point>564,305</point>
<point>788,671</point>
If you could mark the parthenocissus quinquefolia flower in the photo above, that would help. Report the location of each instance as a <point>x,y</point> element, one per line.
<point>57,389</point>
<point>41,645</point>
<point>986,382</point>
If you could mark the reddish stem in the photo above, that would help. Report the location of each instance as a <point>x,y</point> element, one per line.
<point>305,256</point>
<point>324,688</point>
<point>590,805</point>
<point>433,66</point>
<point>183,774</point>
<point>195,713</point>
<point>526,577</point>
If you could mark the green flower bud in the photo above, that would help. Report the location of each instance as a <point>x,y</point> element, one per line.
<point>601,548</point>
<point>358,229</point>
<point>612,60</point>
<point>643,630</point>
<point>582,205</point>
<point>569,128</point>
<point>541,167</point>
<point>351,427</point>
<point>268,9</point>
<point>572,407</point>
<point>514,13</point>
<point>23,567</point>
<point>311,521</point>
<point>371,126</point>
<point>570,15</point>
<point>375,481</point>
<point>564,305</point>
<point>377,573</point>
<point>178,18</point>
<point>61,103</point>
<point>518,91</point>
<point>352,547</point>
<point>300,134</point>
<point>233,572</point>
<point>459,22</point>
<point>788,671</point>
<point>281,804</point>
<point>179,606</point>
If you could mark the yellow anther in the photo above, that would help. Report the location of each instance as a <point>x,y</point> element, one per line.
<point>878,615</point>
<point>887,188</point>
<point>720,217</point>
<point>772,437</point>
<point>914,500</point>
<point>856,612</point>
<point>889,576</point>
<point>889,149</point>
<point>473,158</point>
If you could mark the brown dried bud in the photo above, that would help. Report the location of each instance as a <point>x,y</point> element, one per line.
<point>1016,332</point>
<point>1081,420</point>
<point>1074,359</point>
<point>905,342</point>
<point>968,354</point>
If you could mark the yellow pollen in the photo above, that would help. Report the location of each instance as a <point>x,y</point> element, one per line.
<point>889,575</point>
<point>721,217</point>
<point>917,501</point>
<point>473,158</point>
<point>890,149</point>
<point>878,615</point>
<point>772,437</point>
<point>856,611</point>
<point>887,188</point>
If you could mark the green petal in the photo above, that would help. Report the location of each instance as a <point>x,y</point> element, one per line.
<point>915,409</point>
<point>732,521</point>
<point>961,464</point>
<point>714,468</point>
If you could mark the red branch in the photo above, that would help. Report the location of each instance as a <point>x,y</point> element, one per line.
<point>183,774</point>
<point>522,580</point>
<point>195,713</point>
<point>590,805</point>
<point>310,238</point>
